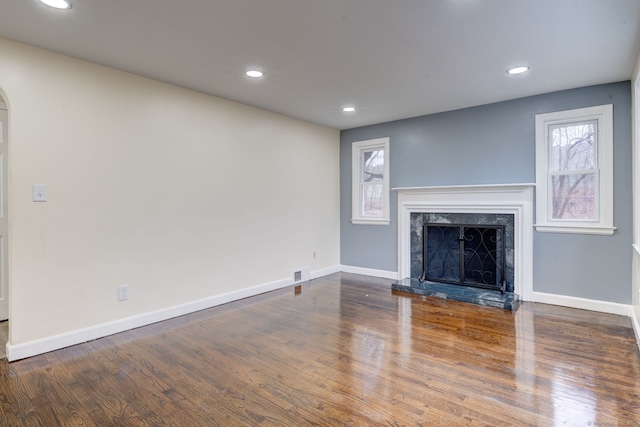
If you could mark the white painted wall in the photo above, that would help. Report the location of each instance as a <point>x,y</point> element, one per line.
<point>635,111</point>
<point>180,195</point>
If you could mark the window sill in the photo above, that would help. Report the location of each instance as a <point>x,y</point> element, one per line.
<point>602,231</point>
<point>368,221</point>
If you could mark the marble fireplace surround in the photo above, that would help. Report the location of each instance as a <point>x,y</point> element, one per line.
<point>514,199</point>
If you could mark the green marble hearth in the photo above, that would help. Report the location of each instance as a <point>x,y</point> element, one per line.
<point>485,297</point>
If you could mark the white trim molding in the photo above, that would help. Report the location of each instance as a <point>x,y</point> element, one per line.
<point>56,342</point>
<point>515,199</point>
<point>635,150</point>
<point>635,322</point>
<point>325,272</point>
<point>384,274</point>
<point>601,170</point>
<point>358,149</point>
<point>583,303</point>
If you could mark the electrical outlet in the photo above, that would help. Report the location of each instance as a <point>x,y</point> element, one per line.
<point>123,292</point>
<point>39,193</point>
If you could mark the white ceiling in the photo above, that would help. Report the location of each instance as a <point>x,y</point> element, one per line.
<point>391,59</point>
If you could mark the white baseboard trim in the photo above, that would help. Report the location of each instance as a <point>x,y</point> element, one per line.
<point>583,303</point>
<point>635,321</point>
<point>393,275</point>
<point>56,342</point>
<point>325,272</point>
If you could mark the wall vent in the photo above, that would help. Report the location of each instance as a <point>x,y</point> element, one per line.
<point>301,275</point>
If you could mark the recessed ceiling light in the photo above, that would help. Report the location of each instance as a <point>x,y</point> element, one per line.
<point>518,70</point>
<point>348,109</point>
<point>254,73</point>
<point>58,4</point>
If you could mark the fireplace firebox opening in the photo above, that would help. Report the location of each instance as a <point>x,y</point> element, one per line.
<point>464,254</point>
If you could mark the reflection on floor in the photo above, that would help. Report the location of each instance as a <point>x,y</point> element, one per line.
<point>340,350</point>
<point>4,336</point>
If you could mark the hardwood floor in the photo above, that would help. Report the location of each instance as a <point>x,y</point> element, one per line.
<point>340,351</point>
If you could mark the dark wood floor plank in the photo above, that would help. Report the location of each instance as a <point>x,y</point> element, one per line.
<point>345,351</point>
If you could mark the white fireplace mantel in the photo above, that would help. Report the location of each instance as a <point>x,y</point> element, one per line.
<point>515,199</point>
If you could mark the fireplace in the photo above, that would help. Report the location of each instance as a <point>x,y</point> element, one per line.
<point>464,248</point>
<point>468,243</point>
<point>464,254</point>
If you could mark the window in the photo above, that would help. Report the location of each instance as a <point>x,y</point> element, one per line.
<point>370,179</point>
<point>574,171</point>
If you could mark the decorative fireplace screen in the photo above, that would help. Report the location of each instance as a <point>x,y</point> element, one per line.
<point>464,254</point>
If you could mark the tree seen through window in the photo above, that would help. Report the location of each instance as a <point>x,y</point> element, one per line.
<point>573,170</point>
<point>372,183</point>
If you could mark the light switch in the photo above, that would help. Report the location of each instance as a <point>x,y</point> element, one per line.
<point>39,193</point>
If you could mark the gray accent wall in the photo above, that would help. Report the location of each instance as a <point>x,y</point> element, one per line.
<point>495,144</point>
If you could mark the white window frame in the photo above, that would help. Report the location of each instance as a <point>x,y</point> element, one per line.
<point>358,149</point>
<point>603,224</point>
